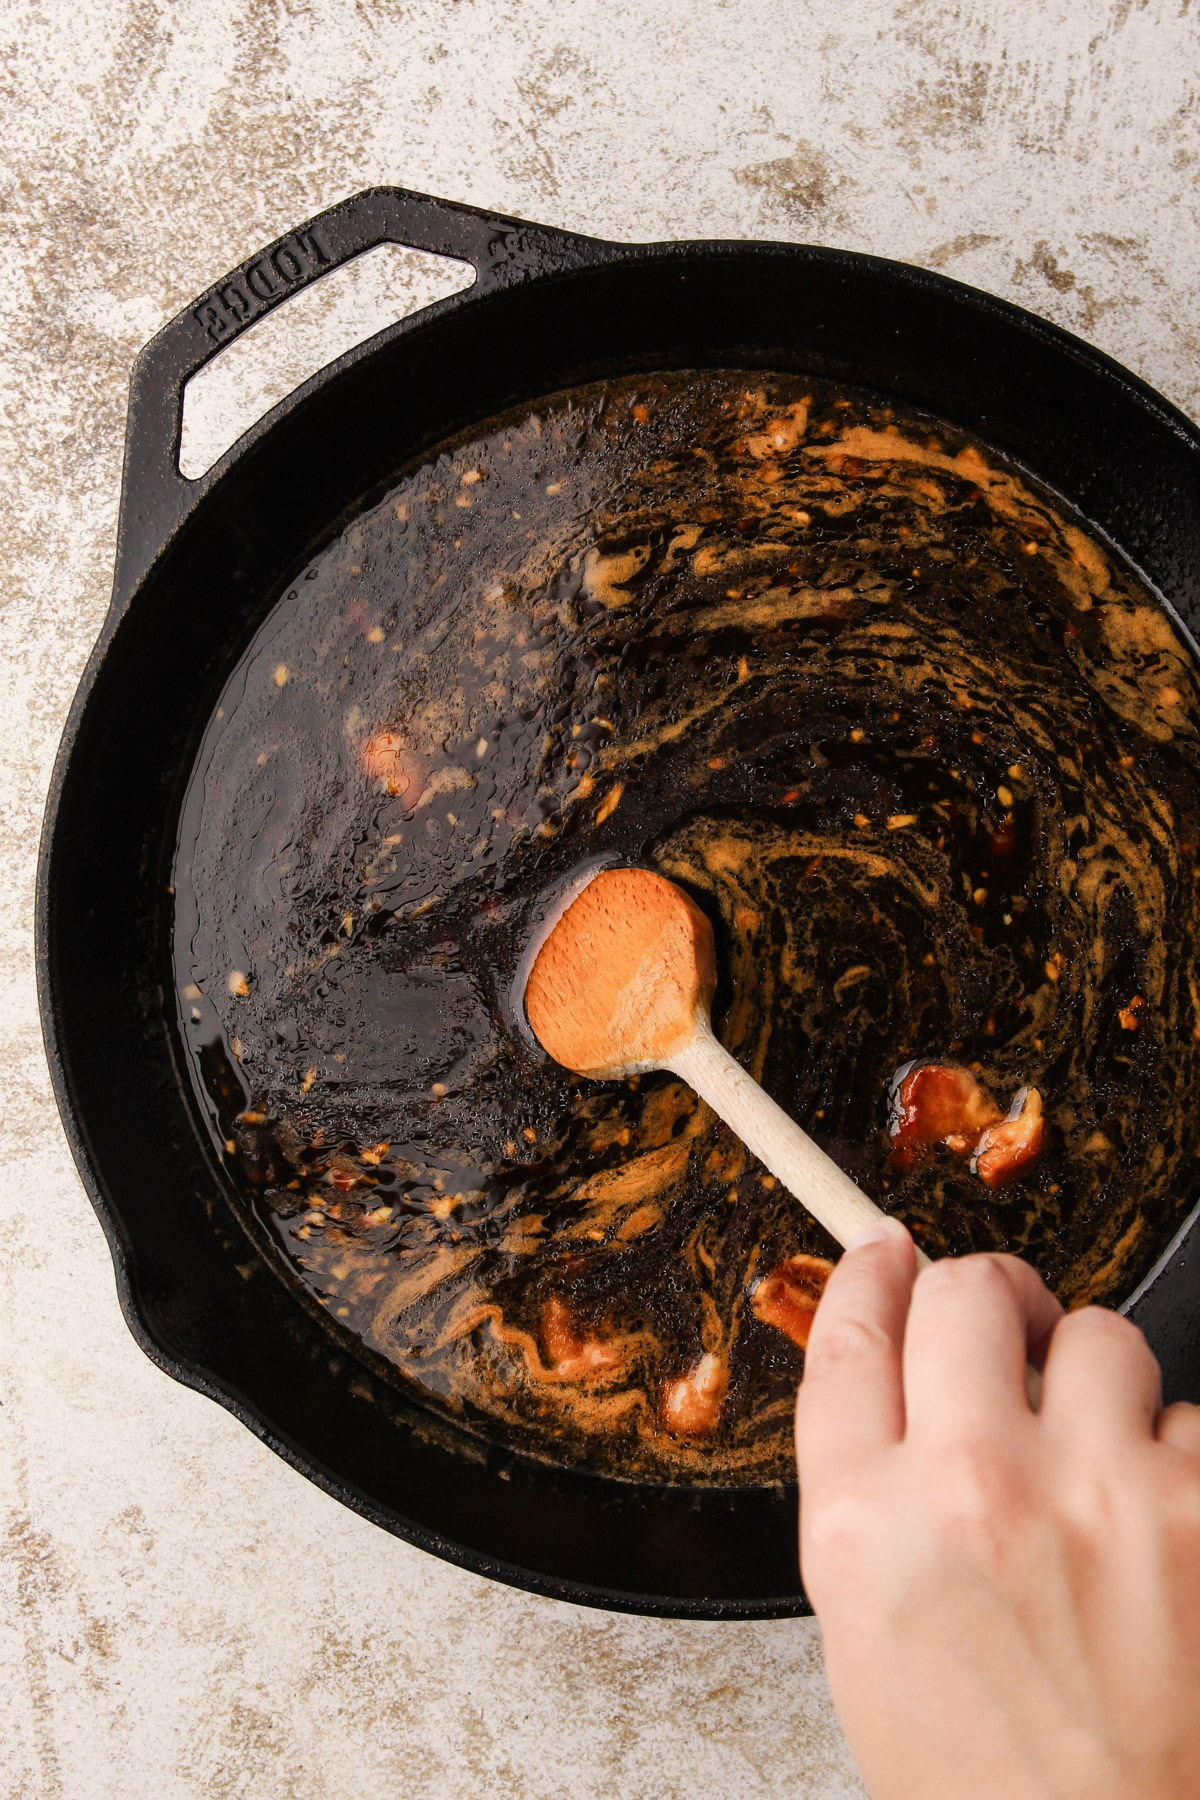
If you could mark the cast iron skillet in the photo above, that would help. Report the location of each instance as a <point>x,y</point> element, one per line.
<point>199,562</point>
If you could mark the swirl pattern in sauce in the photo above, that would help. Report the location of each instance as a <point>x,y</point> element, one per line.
<point>922,748</point>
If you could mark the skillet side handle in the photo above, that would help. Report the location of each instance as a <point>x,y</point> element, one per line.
<point>155,497</point>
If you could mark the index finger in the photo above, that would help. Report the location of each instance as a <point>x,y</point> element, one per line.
<point>851,1401</point>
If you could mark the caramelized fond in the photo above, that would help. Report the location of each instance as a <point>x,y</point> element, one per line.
<point>922,750</point>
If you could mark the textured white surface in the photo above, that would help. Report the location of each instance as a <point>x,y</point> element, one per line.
<point>180,1615</point>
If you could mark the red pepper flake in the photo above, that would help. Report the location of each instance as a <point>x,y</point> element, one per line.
<point>1002,843</point>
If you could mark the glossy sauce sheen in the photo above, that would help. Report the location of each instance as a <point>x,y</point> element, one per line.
<point>923,752</point>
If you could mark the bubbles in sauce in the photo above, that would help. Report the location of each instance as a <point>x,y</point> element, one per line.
<point>922,750</point>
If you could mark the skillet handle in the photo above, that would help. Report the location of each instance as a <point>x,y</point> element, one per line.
<point>155,497</point>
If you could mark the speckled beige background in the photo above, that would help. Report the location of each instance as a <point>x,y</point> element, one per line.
<point>180,1615</point>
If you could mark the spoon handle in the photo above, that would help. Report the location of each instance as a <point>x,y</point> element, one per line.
<point>788,1152</point>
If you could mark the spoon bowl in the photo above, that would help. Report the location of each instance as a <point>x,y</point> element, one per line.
<point>623,984</point>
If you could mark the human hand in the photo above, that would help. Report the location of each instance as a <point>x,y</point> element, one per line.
<point>1010,1600</point>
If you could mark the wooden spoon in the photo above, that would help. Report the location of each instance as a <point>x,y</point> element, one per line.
<point>623,984</point>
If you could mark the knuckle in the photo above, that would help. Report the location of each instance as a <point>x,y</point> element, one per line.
<point>1179,1426</point>
<point>964,1275</point>
<point>1021,1277</point>
<point>1087,1504</point>
<point>1179,1502</point>
<point>975,1499</point>
<point>1160,1498</point>
<point>845,1338</point>
<point>1096,1326</point>
<point>837,1530</point>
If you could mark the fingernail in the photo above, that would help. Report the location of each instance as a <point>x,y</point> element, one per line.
<point>876,1233</point>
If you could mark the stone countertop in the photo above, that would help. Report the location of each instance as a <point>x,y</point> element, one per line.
<point>182,1616</point>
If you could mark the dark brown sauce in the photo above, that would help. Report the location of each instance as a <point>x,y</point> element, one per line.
<point>922,750</point>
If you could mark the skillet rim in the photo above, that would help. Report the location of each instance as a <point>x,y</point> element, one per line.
<point>142,549</point>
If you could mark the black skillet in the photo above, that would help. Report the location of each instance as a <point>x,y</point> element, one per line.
<point>198,563</point>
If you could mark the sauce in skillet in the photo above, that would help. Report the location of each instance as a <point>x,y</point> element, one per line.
<point>925,753</point>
